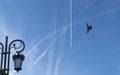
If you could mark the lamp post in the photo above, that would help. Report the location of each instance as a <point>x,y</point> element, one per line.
<point>18,57</point>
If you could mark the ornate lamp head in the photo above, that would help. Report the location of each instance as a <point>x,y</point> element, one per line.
<point>18,59</point>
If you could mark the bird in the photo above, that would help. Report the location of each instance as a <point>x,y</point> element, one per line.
<point>89,27</point>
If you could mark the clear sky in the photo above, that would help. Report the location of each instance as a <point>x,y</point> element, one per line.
<point>44,26</point>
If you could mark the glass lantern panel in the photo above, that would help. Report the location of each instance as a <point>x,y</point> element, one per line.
<point>18,63</point>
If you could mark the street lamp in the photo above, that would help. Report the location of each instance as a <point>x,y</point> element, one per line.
<point>18,57</point>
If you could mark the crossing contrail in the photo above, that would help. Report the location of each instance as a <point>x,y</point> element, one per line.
<point>67,26</point>
<point>61,31</point>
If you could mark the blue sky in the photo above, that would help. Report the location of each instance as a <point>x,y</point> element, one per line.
<point>44,26</point>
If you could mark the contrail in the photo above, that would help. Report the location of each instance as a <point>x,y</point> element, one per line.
<point>39,58</point>
<point>42,55</point>
<point>57,65</point>
<point>41,41</point>
<point>101,14</point>
<point>87,6</point>
<point>50,61</point>
<point>70,23</point>
<point>47,37</point>
<point>44,39</point>
<point>98,15</point>
<point>51,54</point>
<point>60,55</point>
<point>46,50</point>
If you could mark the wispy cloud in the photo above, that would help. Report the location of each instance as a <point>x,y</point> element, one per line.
<point>5,30</point>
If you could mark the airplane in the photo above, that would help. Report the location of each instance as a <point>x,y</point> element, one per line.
<point>89,27</point>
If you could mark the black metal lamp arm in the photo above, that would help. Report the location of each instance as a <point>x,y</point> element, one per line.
<point>14,43</point>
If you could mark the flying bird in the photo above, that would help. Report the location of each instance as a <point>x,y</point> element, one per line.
<point>89,27</point>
